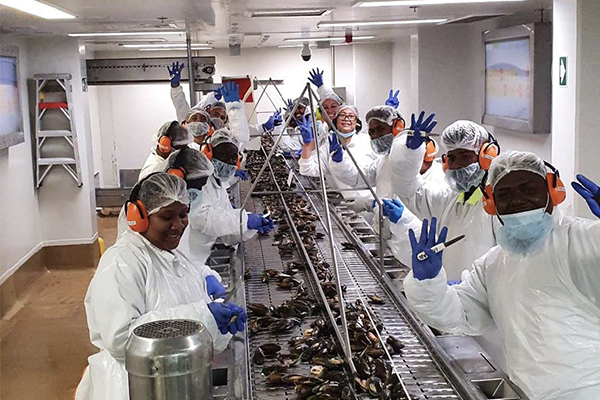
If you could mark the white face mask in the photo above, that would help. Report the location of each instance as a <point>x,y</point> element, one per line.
<point>463,179</point>
<point>218,123</point>
<point>198,128</point>
<point>382,145</point>
<point>223,171</point>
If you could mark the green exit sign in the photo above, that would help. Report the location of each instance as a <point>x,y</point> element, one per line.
<point>562,71</point>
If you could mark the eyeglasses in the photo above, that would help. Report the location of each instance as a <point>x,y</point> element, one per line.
<point>349,117</point>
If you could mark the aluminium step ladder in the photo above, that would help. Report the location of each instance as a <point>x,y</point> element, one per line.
<point>56,87</point>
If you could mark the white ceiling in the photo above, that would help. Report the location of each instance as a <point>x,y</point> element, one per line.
<point>216,21</point>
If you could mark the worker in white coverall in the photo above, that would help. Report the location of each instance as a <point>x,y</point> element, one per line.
<point>540,285</point>
<point>144,278</point>
<point>199,125</point>
<point>171,136</point>
<point>212,216</point>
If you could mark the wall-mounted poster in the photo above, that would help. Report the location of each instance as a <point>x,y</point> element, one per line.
<point>11,118</point>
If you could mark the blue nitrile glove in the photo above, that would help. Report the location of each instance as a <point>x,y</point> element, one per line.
<point>289,105</point>
<point>298,153</point>
<point>590,192</point>
<point>305,127</point>
<point>259,223</point>
<point>266,226</point>
<point>231,92</point>
<point>393,209</point>
<point>236,325</point>
<point>452,283</point>
<point>222,315</point>
<point>316,77</point>
<point>418,126</point>
<point>218,93</point>
<point>240,173</point>
<point>273,121</point>
<point>175,73</point>
<point>335,149</point>
<point>214,287</point>
<point>392,99</point>
<point>431,266</point>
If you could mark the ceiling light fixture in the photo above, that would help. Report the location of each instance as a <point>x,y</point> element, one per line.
<point>333,24</point>
<point>416,3</point>
<point>285,13</point>
<point>164,45</point>
<point>38,9</point>
<point>143,33</point>
<point>326,39</point>
<point>288,46</point>
<point>176,49</point>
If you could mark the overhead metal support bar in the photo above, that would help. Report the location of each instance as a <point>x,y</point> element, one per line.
<point>190,69</point>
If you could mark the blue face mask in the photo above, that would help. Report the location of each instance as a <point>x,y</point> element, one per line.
<point>223,171</point>
<point>524,232</point>
<point>345,135</point>
<point>195,196</point>
<point>382,145</point>
<point>463,179</point>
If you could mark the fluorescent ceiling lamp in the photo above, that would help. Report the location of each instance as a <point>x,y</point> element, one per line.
<point>303,12</point>
<point>326,39</point>
<point>38,9</point>
<point>328,24</point>
<point>163,45</point>
<point>145,33</point>
<point>287,46</point>
<point>177,49</point>
<point>416,3</point>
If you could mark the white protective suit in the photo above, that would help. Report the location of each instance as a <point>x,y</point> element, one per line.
<point>238,125</point>
<point>361,150</point>
<point>136,283</point>
<point>546,305</point>
<point>154,163</point>
<point>211,217</point>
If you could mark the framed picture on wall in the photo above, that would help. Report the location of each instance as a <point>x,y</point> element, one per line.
<point>11,117</point>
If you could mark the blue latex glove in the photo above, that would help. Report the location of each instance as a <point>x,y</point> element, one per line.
<point>298,153</point>
<point>175,73</point>
<point>393,209</point>
<point>452,283</point>
<point>231,92</point>
<point>431,266</point>
<point>240,173</point>
<point>273,121</point>
<point>392,99</point>
<point>266,227</point>
<point>305,127</point>
<point>259,223</point>
<point>289,105</point>
<point>224,313</point>
<point>218,93</point>
<point>335,149</point>
<point>418,126</point>
<point>214,287</point>
<point>590,192</point>
<point>316,77</point>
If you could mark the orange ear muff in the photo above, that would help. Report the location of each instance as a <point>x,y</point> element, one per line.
<point>488,152</point>
<point>177,171</point>
<point>398,126</point>
<point>206,149</point>
<point>211,130</point>
<point>444,162</point>
<point>137,218</point>
<point>556,188</point>
<point>165,144</point>
<point>238,164</point>
<point>488,201</point>
<point>431,150</point>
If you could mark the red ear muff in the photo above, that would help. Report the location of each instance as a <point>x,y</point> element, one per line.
<point>488,201</point>
<point>206,149</point>
<point>398,126</point>
<point>137,218</point>
<point>177,171</point>
<point>488,152</point>
<point>165,144</point>
<point>444,162</point>
<point>430,151</point>
<point>556,188</point>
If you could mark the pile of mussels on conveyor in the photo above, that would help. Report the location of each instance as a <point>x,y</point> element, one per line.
<point>328,378</point>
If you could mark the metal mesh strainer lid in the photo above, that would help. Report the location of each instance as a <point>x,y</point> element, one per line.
<point>168,329</point>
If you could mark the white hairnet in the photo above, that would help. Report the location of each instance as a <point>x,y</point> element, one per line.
<point>331,96</point>
<point>385,114</point>
<point>217,104</point>
<point>161,190</point>
<point>304,101</point>
<point>179,135</point>
<point>195,164</point>
<point>343,107</point>
<point>464,134</point>
<point>195,111</point>
<point>511,161</point>
<point>221,136</point>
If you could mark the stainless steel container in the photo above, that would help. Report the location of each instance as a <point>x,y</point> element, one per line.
<point>170,360</point>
